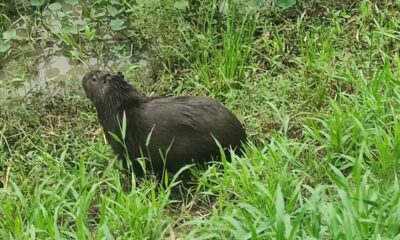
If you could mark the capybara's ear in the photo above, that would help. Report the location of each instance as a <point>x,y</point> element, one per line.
<point>120,74</point>
<point>107,78</point>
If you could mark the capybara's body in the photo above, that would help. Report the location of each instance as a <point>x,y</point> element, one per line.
<point>170,131</point>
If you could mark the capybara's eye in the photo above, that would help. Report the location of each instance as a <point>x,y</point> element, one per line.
<point>94,79</point>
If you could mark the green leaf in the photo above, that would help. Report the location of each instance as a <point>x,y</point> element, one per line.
<point>70,29</point>
<point>90,33</point>
<point>149,136</point>
<point>181,5</point>
<point>117,24</point>
<point>96,14</point>
<point>37,3</point>
<point>9,34</point>
<point>285,3</point>
<point>280,213</point>
<point>116,138</point>
<point>338,178</point>
<point>75,54</point>
<point>55,6</point>
<point>123,129</point>
<point>92,13</point>
<point>62,15</point>
<point>72,2</point>
<point>112,10</point>
<point>4,47</point>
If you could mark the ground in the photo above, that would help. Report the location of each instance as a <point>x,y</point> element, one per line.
<point>316,84</point>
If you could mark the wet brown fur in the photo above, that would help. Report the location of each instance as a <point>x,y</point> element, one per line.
<point>182,128</point>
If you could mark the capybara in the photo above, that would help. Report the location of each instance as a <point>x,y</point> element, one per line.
<point>170,132</point>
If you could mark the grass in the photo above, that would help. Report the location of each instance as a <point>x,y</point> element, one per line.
<point>316,85</point>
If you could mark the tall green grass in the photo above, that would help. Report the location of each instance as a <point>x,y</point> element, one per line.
<point>340,182</point>
<point>79,202</point>
<point>222,56</point>
<point>316,85</point>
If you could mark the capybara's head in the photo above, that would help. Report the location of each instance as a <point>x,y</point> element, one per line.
<point>108,90</point>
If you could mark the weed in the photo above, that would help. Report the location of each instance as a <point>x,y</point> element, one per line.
<point>315,83</point>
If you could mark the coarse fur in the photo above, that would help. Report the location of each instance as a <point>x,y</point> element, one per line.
<point>183,129</point>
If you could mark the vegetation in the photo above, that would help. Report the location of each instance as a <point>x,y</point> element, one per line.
<point>316,84</point>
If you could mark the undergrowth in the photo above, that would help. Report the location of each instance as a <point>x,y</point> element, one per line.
<point>316,85</point>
